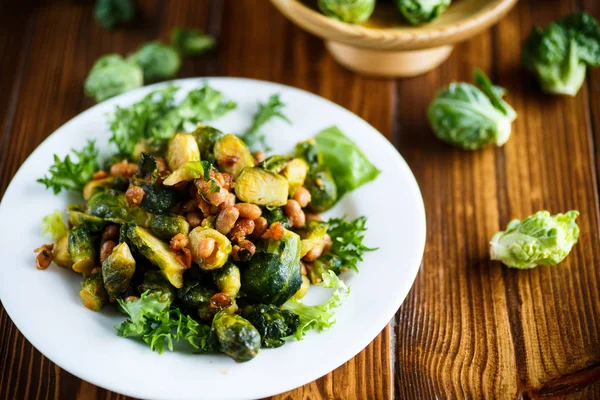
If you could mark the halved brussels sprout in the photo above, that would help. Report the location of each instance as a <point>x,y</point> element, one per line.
<point>327,262</point>
<point>61,252</point>
<point>265,188</point>
<point>227,279</point>
<point>91,186</point>
<point>157,199</point>
<point>295,171</point>
<point>155,283</point>
<point>312,235</point>
<point>117,271</point>
<point>156,251</point>
<point>79,218</point>
<point>187,172</point>
<point>81,250</point>
<point>303,288</point>
<point>206,137</point>
<point>92,292</point>
<point>182,149</point>
<point>238,338</point>
<point>273,163</point>
<point>322,188</point>
<point>219,256</point>
<point>195,299</point>
<point>232,155</point>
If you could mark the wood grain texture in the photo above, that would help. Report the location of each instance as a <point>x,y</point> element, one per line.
<point>469,328</point>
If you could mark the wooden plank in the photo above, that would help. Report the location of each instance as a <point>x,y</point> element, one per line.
<point>471,328</point>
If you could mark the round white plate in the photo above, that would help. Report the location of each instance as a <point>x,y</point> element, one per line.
<point>46,307</point>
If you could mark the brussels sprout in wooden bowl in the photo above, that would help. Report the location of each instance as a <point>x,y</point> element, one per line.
<point>385,44</point>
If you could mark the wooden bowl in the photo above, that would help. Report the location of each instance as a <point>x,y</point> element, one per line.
<point>387,46</point>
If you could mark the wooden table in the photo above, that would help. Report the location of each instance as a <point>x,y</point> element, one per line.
<point>469,328</point>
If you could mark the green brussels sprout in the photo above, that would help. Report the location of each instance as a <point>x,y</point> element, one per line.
<point>156,251</point>
<point>109,13</point>
<point>295,171</point>
<point>92,291</point>
<point>560,54</point>
<point>237,337</point>
<point>81,250</point>
<point>312,235</point>
<point>272,323</point>
<point>232,155</point>
<point>109,205</point>
<point>540,239</point>
<point>264,188</point>
<point>303,288</point>
<point>162,226</point>
<point>351,11</point>
<point>182,149</point>
<point>471,117</point>
<point>155,283</point>
<point>112,182</point>
<point>276,214</point>
<point>112,75</point>
<point>191,42</point>
<point>195,299</point>
<point>228,279</point>
<point>157,199</point>
<point>79,218</point>
<point>147,167</point>
<point>319,181</point>
<point>419,12</point>
<point>157,61</point>
<point>187,172</point>
<point>206,137</point>
<point>327,262</point>
<point>273,163</point>
<point>117,270</point>
<point>61,252</point>
<point>219,257</point>
<point>273,274</point>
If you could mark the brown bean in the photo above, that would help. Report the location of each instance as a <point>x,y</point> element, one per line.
<point>134,195</point>
<point>242,228</point>
<point>106,250</point>
<point>131,298</point>
<point>302,196</point>
<point>248,210</point>
<point>328,242</point>
<point>260,227</point>
<point>214,198</point>
<point>294,212</point>
<point>313,217</point>
<point>259,156</point>
<point>185,257</point>
<point>179,242</point>
<point>226,219</point>
<point>111,232</point>
<point>206,247</point>
<point>220,300</point>
<point>206,208</point>
<point>123,169</point>
<point>189,206</point>
<point>45,256</point>
<point>275,232</point>
<point>161,164</point>
<point>248,247</point>
<point>229,200</point>
<point>194,219</point>
<point>99,175</point>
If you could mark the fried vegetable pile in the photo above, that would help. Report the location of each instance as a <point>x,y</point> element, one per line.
<point>201,243</point>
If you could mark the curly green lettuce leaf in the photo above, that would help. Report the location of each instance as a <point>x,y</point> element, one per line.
<point>347,240</point>
<point>69,174</point>
<point>471,117</point>
<point>253,138</point>
<point>560,53</point>
<point>348,164</point>
<point>419,12</point>
<point>54,225</point>
<point>110,13</point>
<point>540,239</point>
<point>191,42</point>
<point>160,326</point>
<point>319,317</point>
<point>158,61</point>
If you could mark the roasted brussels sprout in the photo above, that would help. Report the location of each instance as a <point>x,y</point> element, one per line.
<point>219,256</point>
<point>182,149</point>
<point>265,188</point>
<point>273,274</point>
<point>79,218</point>
<point>187,172</point>
<point>112,75</point>
<point>92,186</point>
<point>303,288</point>
<point>157,199</point>
<point>162,226</point>
<point>232,155</point>
<point>273,163</point>
<point>109,205</point>
<point>327,262</point>
<point>154,282</point>
<point>206,137</point>
<point>157,61</point>
<point>156,251</point>
<point>92,291</point>
<point>237,337</point>
<point>147,167</point>
<point>295,171</point>
<point>312,235</point>
<point>61,252</point>
<point>419,12</point>
<point>272,323</point>
<point>117,271</point>
<point>351,11</point>
<point>319,181</point>
<point>81,250</point>
<point>228,279</point>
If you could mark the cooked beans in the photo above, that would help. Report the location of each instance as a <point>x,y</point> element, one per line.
<point>106,250</point>
<point>134,195</point>
<point>229,200</point>
<point>111,232</point>
<point>194,219</point>
<point>220,300</point>
<point>275,232</point>
<point>123,169</point>
<point>185,257</point>
<point>226,219</point>
<point>242,228</point>
<point>313,217</point>
<point>99,175</point>
<point>215,198</point>
<point>259,156</point>
<point>179,242</point>
<point>302,196</point>
<point>45,256</point>
<point>247,210</point>
<point>206,247</point>
<point>314,253</point>
<point>207,209</point>
<point>260,227</point>
<point>294,212</point>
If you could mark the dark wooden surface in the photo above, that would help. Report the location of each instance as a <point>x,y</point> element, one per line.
<point>469,328</point>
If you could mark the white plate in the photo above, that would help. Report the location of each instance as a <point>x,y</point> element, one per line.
<point>46,307</point>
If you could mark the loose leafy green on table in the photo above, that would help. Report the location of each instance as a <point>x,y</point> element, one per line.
<point>560,54</point>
